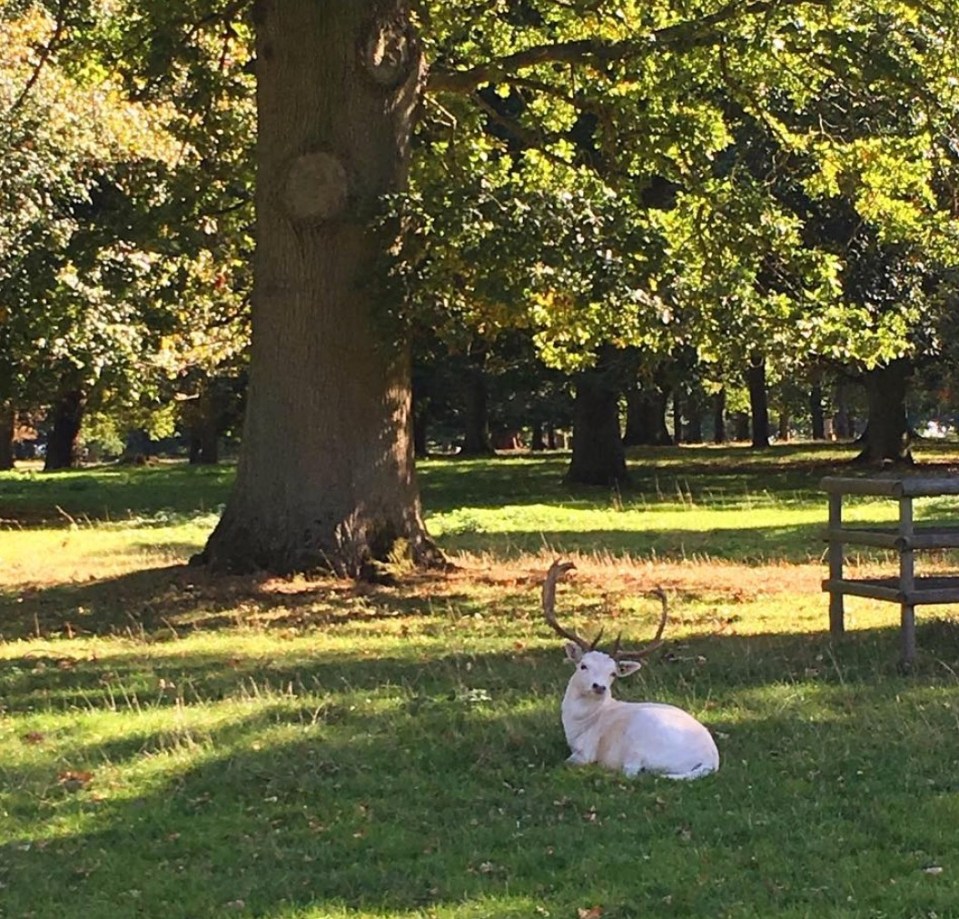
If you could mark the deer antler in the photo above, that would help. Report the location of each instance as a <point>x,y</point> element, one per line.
<point>556,571</point>
<point>647,649</point>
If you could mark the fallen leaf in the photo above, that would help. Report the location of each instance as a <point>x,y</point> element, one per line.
<point>592,912</point>
<point>34,737</point>
<point>74,780</point>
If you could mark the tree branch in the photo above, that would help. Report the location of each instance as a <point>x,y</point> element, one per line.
<point>530,139</point>
<point>45,55</point>
<point>681,36</point>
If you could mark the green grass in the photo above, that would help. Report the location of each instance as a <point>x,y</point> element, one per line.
<point>177,746</point>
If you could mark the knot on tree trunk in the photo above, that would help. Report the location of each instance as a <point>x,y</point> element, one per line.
<point>389,50</point>
<point>316,188</point>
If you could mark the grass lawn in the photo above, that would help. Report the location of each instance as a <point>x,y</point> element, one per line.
<point>173,745</point>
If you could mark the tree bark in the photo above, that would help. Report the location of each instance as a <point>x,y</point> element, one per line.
<point>326,477</point>
<point>886,439</point>
<point>758,401</point>
<point>8,424</point>
<point>62,444</point>
<point>598,455</point>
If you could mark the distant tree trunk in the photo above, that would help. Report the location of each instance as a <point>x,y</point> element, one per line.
<point>695,408</point>
<point>816,412</point>
<point>476,434</point>
<point>758,401</point>
<point>420,435</point>
<point>420,411</point>
<point>62,444</point>
<point>842,422</point>
<point>646,418</point>
<point>8,424</point>
<point>598,455</point>
<point>719,417</point>
<point>137,443</point>
<point>208,433</point>
<point>886,439</point>
<point>326,477</point>
<point>741,426</point>
<point>677,416</point>
<point>550,437</point>
<point>205,442</point>
<point>202,417</point>
<point>537,441</point>
<point>784,423</point>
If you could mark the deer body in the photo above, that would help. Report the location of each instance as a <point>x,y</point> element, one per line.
<point>630,737</point>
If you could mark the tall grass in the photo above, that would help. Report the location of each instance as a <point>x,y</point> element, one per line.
<point>177,746</point>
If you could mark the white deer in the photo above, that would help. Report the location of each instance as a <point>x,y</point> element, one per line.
<point>631,737</point>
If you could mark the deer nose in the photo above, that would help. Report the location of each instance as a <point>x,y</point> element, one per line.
<point>598,688</point>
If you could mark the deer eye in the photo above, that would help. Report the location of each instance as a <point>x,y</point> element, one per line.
<point>613,675</point>
<point>582,666</point>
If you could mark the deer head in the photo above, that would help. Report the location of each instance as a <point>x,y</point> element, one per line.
<point>595,670</point>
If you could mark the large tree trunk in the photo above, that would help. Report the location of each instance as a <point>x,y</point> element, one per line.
<point>758,401</point>
<point>325,477</point>
<point>886,438</point>
<point>62,444</point>
<point>8,423</point>
<point>598,456</point>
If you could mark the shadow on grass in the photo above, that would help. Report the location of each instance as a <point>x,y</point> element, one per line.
<point>168,674</point>
<point>103,493</point>
<point>663,473</point>
<point>450,799</point>
<point>157,601</point>
<point>797,543</point>
<point>111,492</point>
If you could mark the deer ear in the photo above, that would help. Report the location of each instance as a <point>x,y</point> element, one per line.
<point>574,652</point>
<point>626,668</point>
